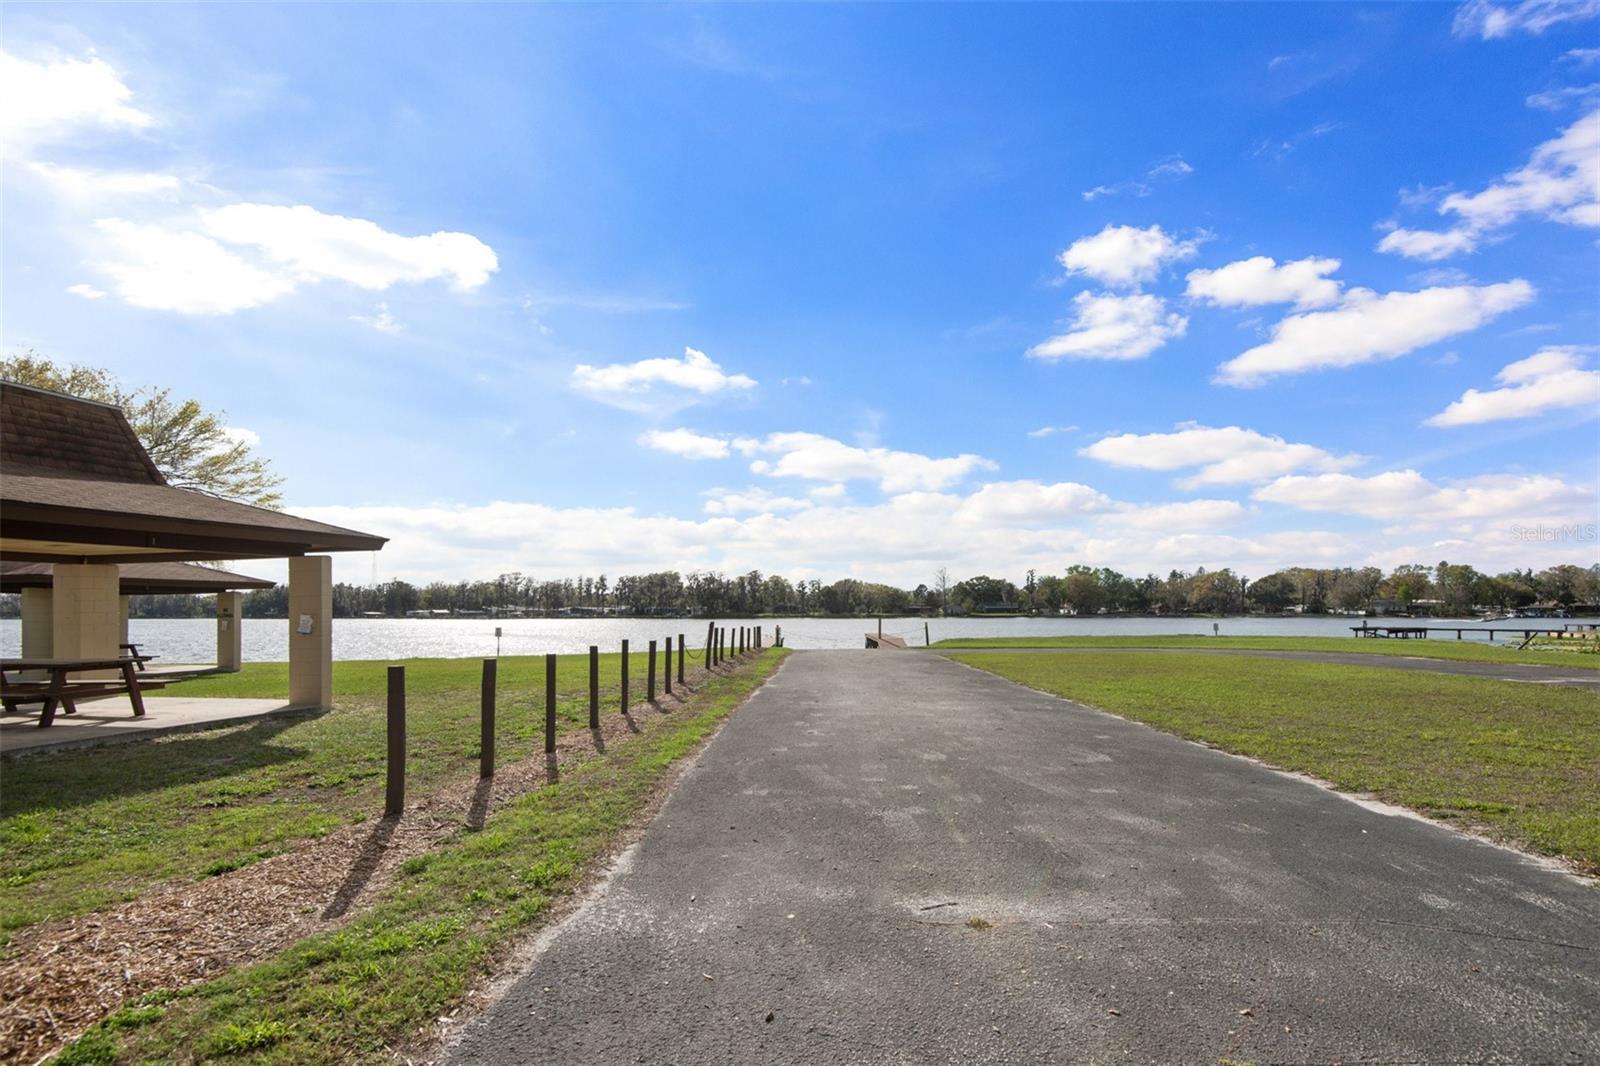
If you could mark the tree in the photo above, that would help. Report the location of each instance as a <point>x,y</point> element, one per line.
<point>192,448</point>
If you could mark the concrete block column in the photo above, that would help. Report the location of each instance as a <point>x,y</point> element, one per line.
<point>230,649</point>
<point>86,613</point>
<point>311,631</point>
<point>38,632</point>
<point>122,614</point>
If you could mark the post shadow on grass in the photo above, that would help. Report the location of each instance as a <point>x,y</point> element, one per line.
<point>478,808</point>
<point>78,777</point>
<point>361,871</point>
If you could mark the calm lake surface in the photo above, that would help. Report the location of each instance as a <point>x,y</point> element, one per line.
<point>193,640</point>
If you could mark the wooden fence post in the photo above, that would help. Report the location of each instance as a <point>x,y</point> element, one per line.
<point>486,722</point>
<point>667,677</point>
<point>394,795</point>
<point>682,647</point>
<point>549,704</point>
<point>650,675</point>
<point>594,686</point>
<point>927,641</point>
<point>624,677</point>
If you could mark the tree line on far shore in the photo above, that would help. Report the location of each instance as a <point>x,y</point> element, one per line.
<point>1447,589</point>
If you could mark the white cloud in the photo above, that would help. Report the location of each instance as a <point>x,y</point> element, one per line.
<point>313,246</point>
<point>1368,327</point>
<point>638,386</point>
<point>1124,256</point>
<point>1106,326</point>
<point>1406,494</point>
<point>1431,245</point>
<point>240,435</point>
<point>87,291</point>
<point>1560,183</point>
<point>1050,431</point>
<point>380,320</point>
<point>1032,502</point>
<point>175,270</point>
<point>1582,56</point>
<point>1488,20</point>
<point>1169,169</point>
<point>751,501</point>
<point>685,443</point>
<point>1225,455</point>
<point>817,458</point>
<point>1174,167</point>
<point>55,98</point>
<point>1183,516</point>
<point>828,492</point>
<point>79,183</point>
<point>1551,379</point>
<point>1556,99</point>
<point>444,542</point>
<point>186,266</point>
<point>1006,530</point>
<point>1261,280</point>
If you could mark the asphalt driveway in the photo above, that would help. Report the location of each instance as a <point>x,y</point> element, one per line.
<point>893,858</point>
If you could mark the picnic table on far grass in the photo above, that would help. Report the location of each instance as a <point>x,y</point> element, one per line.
<point>62,691</point>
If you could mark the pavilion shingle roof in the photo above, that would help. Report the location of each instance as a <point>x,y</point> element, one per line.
<point>84,439</point>
<point>72,472</point>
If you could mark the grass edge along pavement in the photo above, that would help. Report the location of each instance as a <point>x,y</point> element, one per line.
<point>1461,651</point>
<point>88,828</point>
<point>1517,763</point>
<point>378,984</point>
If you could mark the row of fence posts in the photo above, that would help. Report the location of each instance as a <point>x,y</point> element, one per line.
<point>720,645</point>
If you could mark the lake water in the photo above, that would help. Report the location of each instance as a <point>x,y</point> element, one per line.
<point>193,640</point>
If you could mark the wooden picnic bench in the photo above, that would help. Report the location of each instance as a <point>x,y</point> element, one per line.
<point>61,691</point>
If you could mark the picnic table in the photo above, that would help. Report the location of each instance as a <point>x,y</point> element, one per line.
<point>60,690</point>
<point>133,653</point>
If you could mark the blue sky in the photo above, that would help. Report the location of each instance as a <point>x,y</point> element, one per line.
<point>842,291</point>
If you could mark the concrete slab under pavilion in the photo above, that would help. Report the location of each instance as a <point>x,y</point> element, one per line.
<point>109,721</point>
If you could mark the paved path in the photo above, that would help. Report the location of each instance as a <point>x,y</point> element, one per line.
<point>1527,672</point>
<point>805,897</point>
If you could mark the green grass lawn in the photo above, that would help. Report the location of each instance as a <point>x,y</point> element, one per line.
<point>359,993</point>
<point>1464,650</point>
<point>83,829</point>
<point>1519,761</point>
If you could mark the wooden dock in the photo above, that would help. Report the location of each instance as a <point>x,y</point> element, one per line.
<point>884,640</point>
<point>1422,632</point>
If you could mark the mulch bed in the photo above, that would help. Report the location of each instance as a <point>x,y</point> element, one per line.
<point>63,976</point>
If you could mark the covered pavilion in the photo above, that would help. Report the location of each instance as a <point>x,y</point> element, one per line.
<point>35,581</point>
<point>80,493</point>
